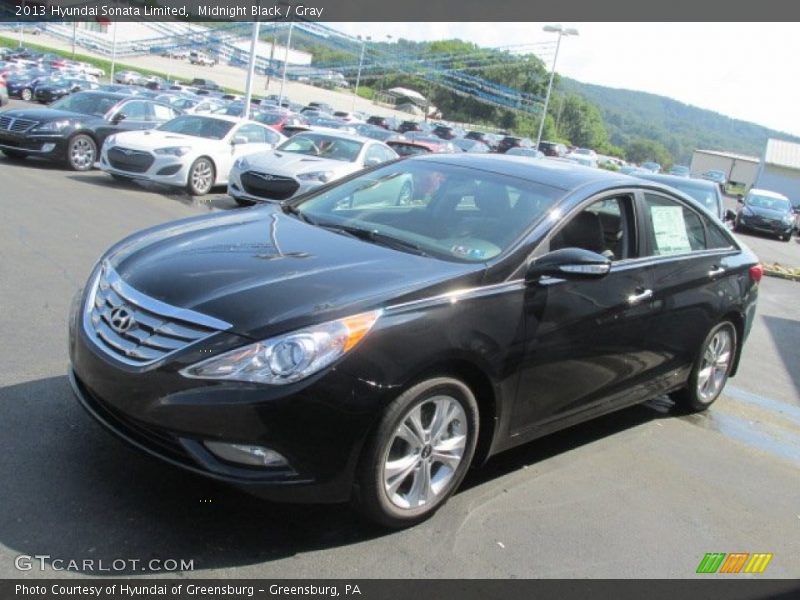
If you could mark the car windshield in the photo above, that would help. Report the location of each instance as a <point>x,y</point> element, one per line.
<point>324,146</point>
<point>446,211</point>
<point>768,202</point>
<point>269,118</point>
<point>86,103</point>
<point>404,149</point>
<point>197,126</point>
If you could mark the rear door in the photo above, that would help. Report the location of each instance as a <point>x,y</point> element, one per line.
<point>692,280</point>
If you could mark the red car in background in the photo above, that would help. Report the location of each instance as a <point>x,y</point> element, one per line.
<point>279,120</point>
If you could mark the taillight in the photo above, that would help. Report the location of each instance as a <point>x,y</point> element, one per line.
<point>756,273</point>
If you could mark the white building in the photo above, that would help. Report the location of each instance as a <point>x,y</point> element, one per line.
<point>738,168</point>
<point>779,170</point>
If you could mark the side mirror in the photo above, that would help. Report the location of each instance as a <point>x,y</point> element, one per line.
<point>118,118</point>
<point>238,139</point>
<point>740,198</point>
<point>730,215</point>
<point>569,263</point>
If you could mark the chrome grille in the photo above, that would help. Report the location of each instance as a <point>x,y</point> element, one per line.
<point>137,329</point>
<point>266,185</point>
<point>16,125</point>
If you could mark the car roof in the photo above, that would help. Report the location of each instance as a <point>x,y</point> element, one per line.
<point>330,132</point>
<point>674,179</point>
<point>768,193</point>
<point>563,175</point>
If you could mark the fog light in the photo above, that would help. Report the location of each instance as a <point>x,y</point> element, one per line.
<point>48,147</point>
<point>255,456</point>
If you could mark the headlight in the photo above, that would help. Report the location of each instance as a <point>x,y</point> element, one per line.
<point>241,164</point>
<point>53,126</point>
<point>290,357</point>
<point>788,220</point>
<point>321,176</point>
<point>173,150</point>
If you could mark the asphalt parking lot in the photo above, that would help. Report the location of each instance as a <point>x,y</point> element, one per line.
<point>640,493</point>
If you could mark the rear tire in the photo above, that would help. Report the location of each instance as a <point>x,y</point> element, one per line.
<point>26,94</point>
<point>710,371</point>
<point>419,453</point>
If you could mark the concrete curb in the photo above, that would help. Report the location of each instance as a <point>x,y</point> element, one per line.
<point>781,272</point>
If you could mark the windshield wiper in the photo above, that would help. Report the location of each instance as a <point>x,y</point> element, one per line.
<point>376,237</point>
<point>291,210</point>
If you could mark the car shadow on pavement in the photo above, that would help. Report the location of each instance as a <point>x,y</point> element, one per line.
<point>571,438</point>
<point>72,491</point>
<point>215,200</point>
<point>786,336</point>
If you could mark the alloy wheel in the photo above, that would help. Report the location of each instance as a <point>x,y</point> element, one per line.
<point>202,176</point>
<point>715,365</point>
<point>425,452</point>
<point>81,153</point>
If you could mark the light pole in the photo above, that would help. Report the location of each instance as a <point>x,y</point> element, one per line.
<point>113,53</point>
<point>561,33</point>
<point>251,70</point>
<point>285,61</point>
<point>360,64</point>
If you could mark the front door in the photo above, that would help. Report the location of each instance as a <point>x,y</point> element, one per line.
<point>588,339</point>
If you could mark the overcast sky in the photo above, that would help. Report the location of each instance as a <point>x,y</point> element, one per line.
<point>744,70</point>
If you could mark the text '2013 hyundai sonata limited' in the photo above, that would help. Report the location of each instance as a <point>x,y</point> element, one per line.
<point>355,344</point>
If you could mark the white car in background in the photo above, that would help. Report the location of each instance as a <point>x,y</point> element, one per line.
<point>583,156</point>
<point>191,151</point>
<point>302,163</point>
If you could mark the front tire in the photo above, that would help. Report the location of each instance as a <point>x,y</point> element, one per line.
<point>419,453</point>
<point>711,369</point>
<point>201,177</point>
<point>81,152</point>
<point>26,94</point>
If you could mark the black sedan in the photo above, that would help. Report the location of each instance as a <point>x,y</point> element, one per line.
<point>766,212</point>
<point>54,88</point>
<point>73,129</point>
<point>348,346</point>
<point>22,83</point>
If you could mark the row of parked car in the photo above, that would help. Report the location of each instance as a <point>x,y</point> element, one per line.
<point>193,136</point>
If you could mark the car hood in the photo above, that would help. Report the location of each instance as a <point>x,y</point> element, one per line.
<point>266,272</point>
<point>292,163</point>
<point>152,138</point>
<point>48,114</point>
<point>767,213</point>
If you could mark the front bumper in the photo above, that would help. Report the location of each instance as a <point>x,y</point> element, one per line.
<point>319,425</point>
<point>166,170</point>
<point>765,225</point>
<point>238,191</point>
<point>45,146</point>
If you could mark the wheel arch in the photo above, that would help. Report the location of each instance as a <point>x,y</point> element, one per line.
<point>737,318</point>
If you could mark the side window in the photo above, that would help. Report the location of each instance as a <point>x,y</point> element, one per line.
<point>253,133</point>
<point>605,226</point>
<point>374,155</point>
<point>163,113</point>
<point>674,228</point>
<point>136,110</point>
<point>715,236</point>
<point>271,135</point>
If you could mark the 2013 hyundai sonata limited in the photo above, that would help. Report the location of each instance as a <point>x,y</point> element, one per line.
<point>355,344</point>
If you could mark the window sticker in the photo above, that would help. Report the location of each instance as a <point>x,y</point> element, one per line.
<point>669,229</point>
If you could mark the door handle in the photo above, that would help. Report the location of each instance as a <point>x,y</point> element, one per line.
<point>714,272</point>
<point>640,297</point>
